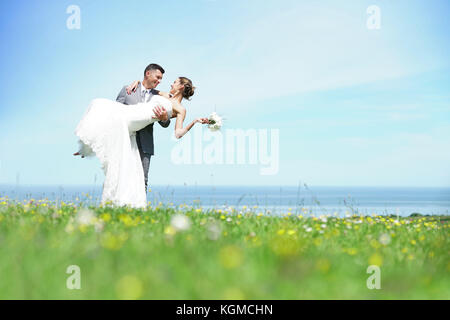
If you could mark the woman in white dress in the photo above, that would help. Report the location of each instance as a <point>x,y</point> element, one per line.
<point>108,131</point>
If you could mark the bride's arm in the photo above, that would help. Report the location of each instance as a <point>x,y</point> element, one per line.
<point>179,130</point>
<point>163,94</point>
<point>132,87</point>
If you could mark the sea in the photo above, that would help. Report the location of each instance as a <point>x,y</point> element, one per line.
<point>316,200</point>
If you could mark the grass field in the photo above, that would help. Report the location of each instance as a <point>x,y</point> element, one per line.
<point>188,253</point>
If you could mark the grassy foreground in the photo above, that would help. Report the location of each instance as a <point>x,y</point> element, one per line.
<point>187,253</point>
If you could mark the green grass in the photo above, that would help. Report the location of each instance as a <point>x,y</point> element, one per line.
<point>136,254</point>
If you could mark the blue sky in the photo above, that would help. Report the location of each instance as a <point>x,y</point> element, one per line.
<point>353,106</point>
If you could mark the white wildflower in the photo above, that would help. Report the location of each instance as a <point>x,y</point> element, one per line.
<point>214,230</point>
<point>180,222</point>
<point>85,217</point>
<point>99,225</point>
<point>385,239</point>
<point>69,228</point>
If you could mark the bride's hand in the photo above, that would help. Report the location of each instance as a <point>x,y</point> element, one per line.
<point>132,87</point>
<point>202,120</point>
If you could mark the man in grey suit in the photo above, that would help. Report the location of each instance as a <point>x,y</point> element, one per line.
<point>152,77</point>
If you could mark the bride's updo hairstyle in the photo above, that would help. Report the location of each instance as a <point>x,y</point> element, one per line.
<point>188,87</point>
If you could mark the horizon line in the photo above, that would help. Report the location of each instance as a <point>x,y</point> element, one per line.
<point>227,185</point>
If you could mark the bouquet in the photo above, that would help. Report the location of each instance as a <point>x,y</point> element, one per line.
<point>215,122</point>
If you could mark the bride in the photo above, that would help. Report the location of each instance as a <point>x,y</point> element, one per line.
<point>108,131</point>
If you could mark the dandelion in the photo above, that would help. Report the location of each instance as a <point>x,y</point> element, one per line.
<point>170,231</point>
<point>291,232</point>
<point>214,231</point>
<point>180,222</point>
<point>376,259</point>
<point>69,228</point>
<point>384,239</point>
<point>98,226</point>
<point>105,217</point>
<point>85,217</point>
<point>113,242</point>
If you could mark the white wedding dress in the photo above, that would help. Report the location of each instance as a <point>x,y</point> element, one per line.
<point>108,131</point>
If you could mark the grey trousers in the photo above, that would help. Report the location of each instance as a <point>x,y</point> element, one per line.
<point>145,158</point>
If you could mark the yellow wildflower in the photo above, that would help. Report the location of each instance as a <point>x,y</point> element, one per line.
<point>376,259</point>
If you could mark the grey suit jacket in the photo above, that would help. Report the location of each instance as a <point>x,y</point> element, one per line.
<point>144,137</point>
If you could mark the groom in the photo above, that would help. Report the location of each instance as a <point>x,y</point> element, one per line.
<point>153,75</point>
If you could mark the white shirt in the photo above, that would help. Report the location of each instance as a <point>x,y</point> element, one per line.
<point>147,93</point>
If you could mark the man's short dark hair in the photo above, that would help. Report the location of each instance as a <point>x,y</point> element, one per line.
<point>153,66</point>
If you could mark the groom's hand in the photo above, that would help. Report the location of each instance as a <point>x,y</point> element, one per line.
<point>161,113</point>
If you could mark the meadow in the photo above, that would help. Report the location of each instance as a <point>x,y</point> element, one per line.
<point>187,252</point>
